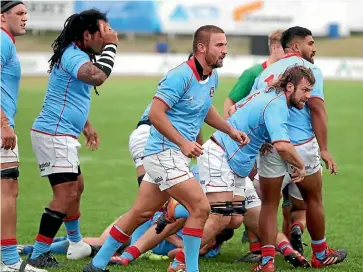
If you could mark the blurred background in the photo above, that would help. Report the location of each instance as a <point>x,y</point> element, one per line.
<point>156,36</point>
<point>160,32</point>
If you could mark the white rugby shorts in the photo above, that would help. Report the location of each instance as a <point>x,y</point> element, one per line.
<point>214,171</point>
<point>271,165</point>
<point>247,190</point>
<point>55,154</point>
<point>9,155</point>
<point>137,142</point>
<point>167,168</point>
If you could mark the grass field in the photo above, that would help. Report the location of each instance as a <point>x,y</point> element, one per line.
<point>110,182</point>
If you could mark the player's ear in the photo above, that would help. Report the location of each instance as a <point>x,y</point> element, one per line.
<point>272,48</point>
<point>295,46</point>
<point>86,35</point>
<point>290,87</point>
<point>3,20</point>
<point>201,48</point>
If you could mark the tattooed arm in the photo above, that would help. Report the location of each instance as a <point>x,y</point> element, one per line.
<point>90,74</point>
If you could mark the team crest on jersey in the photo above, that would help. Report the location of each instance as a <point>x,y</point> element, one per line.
<point>211,92</point>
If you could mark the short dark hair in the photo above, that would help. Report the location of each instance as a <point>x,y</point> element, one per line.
<point>202,35</point>
<point>7,5</point>
<point>292,33</point>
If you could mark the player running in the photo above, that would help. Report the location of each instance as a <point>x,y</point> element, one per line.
<point>308,132</point>
<point>138,139</point>
<point>13,21</point>
<point>64,116</point>
<point>181,105</point>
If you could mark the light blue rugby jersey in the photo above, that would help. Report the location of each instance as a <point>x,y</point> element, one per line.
<point>299,122</point>
<point>261,116</point>
<point>10,76</point>
<point>67,101</point>
<point>188,99</point>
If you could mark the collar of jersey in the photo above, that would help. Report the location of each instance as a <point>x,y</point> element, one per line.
<point>193,63</point>
<point>9,34</point>
<point>288,55</point>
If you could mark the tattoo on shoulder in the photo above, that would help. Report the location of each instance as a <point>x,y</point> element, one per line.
<point>90,74</point>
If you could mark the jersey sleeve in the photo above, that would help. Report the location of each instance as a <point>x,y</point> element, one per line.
<point>170,89</point>
<point>5,51</point>
<point>73,60</point>
<point>243,86</point>
<point>275,116</point>
<point>318,90</point>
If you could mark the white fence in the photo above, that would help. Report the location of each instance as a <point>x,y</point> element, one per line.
<point>36,64</point>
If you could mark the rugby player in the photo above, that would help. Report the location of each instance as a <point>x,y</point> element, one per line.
<point>224,165</point>
<point>242,89</point>
<point>138,139</point>
<point>13,21</point>
<point>64,116</point>
<point>307,127</point>
<point>181,105</point>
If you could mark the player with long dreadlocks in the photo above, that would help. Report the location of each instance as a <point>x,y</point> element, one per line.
<point>64,116</point>
<point>13,24</point>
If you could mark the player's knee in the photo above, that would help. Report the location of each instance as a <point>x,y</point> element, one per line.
<point>65,187</point>
<point>235,222</point>
<point>80,186</point>
<point>311,196</point>
<point>201,209</point>
<point>80,190</point>
<point>219,220</point>
<point>142,215</point>
<point>69,196</point>
<point>297,205</point>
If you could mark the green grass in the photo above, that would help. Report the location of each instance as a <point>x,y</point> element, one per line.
<point>110,182</point>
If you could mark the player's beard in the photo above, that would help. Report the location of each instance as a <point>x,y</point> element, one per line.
<point>309,57</point>
<point>294,102</point>
<point>211,61</point>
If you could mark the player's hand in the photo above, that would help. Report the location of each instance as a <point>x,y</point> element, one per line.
<point>8,137</point>
<point>329,161</point>
<point>92,139</point>
<point>232,110</point>
<point>192,149</point>
<point>108,34</point>
<point>266,148</point>
<point>298,174</point>
<point>239,136</point>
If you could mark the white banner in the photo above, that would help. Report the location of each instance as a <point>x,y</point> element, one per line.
<point>236,17</point>
<point>48,15</point>
<point>253,17</point>
<point>355,18</point>
<point>157,65</point>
